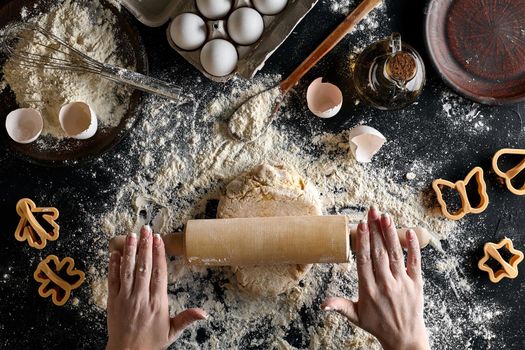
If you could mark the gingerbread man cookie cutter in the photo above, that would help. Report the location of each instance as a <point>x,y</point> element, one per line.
<point>461,187</point>
<point>30,230</point>
<point>508,269</point>
<point>510,174</point>
<point>52,283</point>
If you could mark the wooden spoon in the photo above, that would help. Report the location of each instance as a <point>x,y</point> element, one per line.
<point>249,130</point>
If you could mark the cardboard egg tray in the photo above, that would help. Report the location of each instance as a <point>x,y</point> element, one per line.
<point>277,28</point>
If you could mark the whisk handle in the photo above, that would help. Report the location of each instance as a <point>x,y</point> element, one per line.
<point>144,83</point>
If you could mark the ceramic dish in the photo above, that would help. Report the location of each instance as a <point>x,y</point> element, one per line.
<point>478,47</point>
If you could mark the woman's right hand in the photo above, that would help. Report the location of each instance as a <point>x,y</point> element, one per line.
<point>390,304</point>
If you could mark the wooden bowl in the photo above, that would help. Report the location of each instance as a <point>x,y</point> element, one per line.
<point>70,151</point>
<point>478,47</point>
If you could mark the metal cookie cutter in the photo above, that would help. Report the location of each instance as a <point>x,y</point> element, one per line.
<point>460,186</point>
<point>511,173</point>
<point>508,269</point>
<point>30,230</point>
<point>51,272</point>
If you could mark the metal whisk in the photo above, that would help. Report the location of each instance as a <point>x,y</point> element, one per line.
<point>62,56</point>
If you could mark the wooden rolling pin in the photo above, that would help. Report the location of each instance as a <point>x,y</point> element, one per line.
<point>265,241</point>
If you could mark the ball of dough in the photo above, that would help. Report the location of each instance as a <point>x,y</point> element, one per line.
<point>269,191</point>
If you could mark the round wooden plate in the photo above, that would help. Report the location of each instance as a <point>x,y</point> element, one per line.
<point>71,151</point>
<point>478,47</point>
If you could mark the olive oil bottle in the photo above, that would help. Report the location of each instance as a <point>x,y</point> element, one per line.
<point>389,74</point>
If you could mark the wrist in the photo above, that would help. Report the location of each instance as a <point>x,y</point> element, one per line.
<point>415,344</point>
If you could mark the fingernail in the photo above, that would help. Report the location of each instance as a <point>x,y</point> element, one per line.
<point>132,235</point>
<point>157,239</point>
<point>373,207</point>
<point>147,228</point>
<point>411,234</point>
<point>327,308</point>
<point>387,219</point>
<point>145,233</point>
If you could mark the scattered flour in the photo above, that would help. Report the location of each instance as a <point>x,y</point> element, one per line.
<point>186,182</point>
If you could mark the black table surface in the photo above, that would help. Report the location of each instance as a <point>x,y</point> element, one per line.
<point>28,321</point>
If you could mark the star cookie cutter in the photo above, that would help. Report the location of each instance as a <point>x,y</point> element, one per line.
<point>508,269</point>
<point>511,173</point>
<point>30,230</point>
<point>48,273</point>
<point>461,187</point>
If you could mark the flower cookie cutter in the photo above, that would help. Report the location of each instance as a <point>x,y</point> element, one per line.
<point>508,269</point>
<point>461,187</point>
<point>511,173</point>
<point>30,230</point>
<point>53,284</point>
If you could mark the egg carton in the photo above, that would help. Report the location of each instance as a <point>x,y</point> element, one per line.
<point>277,28</point>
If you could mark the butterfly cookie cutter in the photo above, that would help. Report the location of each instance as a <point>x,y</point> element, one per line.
<point>508,269</point>
<point>461,188</point>
<point>50,272</point>
<point>510,174</point>
<point>30,230</point>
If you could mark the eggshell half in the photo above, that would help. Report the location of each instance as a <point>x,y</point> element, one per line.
<point>78,120</point>
<point>324,99</point>
<point>24,125</point>
<point>365,142</point>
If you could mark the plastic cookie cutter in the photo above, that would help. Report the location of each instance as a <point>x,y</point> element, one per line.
<point>508,269</point>
<point>30,230</point>
<point>461,187</point>
<point>58,278</point>
<point>510,174</point>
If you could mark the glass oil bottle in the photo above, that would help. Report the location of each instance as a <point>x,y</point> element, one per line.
<point>389,74</point>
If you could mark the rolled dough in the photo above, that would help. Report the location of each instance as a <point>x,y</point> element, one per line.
<point>269,191</point>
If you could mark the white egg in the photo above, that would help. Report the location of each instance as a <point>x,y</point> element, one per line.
<point>214,9</point>
<point>219,57</point>
<point>24,125</point>
<point>188,31</point>
<point>270,7</point>
<point>245,26</point>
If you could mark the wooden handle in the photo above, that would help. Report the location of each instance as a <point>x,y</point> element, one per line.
<point>329,43</point>
<point>268,241</point>
<point>423,236</point>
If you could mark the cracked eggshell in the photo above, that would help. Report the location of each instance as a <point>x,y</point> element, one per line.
<point>78,120</point>
<point>365,142</point>
<point>324,99</point>
<point>24,125</point>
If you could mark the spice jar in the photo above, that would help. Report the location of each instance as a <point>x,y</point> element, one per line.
<point>389,74</point>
